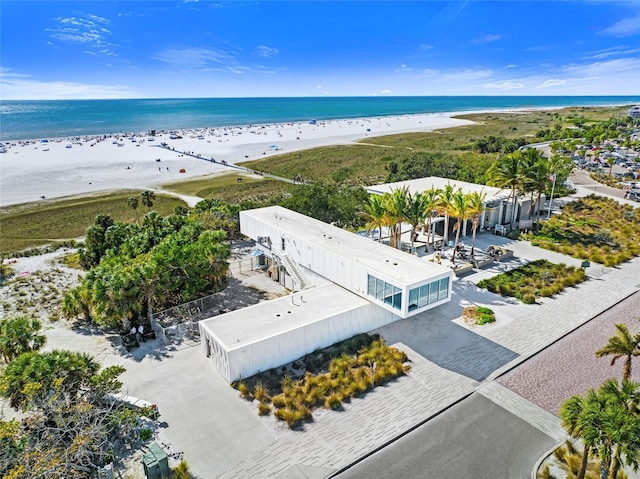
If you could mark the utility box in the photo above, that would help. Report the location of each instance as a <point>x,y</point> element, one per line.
<point>155,463</point>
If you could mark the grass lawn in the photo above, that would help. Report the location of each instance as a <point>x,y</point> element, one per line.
<point>539,278</point>
<point>36,224</point>
<point>594,228</point>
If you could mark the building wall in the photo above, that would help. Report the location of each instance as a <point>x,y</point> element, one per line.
<point>292,344</point>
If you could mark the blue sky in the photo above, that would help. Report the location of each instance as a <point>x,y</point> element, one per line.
<point>151,49</point>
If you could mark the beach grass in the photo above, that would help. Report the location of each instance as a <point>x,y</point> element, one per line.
<point>367,161</point>
<point>204,186</point>
<point>36,224</point>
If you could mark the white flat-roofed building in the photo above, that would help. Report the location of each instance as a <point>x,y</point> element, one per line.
<point>399,282</point>
<point>269,334</point>
<point>497,206</point>
<point>347,285</point>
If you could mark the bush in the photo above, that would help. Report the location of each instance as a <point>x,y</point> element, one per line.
<point>181,471</point>
<point>529,298</point>
<point>145,434</point>
<point>244,390</point>
<point>264,409</point>
<point>260,393</point>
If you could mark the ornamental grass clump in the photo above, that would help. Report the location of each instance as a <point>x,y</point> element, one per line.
<point>537,279</point>
<point>346,376</point>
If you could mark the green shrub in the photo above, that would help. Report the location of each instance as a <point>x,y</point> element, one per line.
<point>529,298</point>
<point>145,434</point>
<point>264,409</point>
<point>181,471</point>
<point>485,319</point>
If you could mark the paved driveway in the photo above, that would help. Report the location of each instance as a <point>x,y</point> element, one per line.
<point>474,439</point>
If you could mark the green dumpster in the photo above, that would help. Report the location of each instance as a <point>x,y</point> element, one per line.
<point>155,462</point>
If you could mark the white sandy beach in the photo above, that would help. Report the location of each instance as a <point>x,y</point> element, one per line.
<point>31,170</point>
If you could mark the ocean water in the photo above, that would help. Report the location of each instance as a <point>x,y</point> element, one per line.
<point>68,118</point>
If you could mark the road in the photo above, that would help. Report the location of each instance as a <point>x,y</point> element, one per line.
<point>474,439</point>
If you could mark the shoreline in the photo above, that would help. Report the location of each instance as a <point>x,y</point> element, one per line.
<point>39,170</point>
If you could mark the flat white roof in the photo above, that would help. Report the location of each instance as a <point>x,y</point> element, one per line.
<point>240,328</point>
<point>380,260</point>
<point>423,184</point>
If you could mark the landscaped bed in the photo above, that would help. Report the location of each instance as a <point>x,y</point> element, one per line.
<point>325,378</point>
<point>540,278</point>
<point>594,228</point>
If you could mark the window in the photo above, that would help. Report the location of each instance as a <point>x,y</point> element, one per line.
<point>444,289</point>
<point>383,291</point>
<point>433,292</point>
<point>413,298</point>
<point>397,298</point>
<point>423,299</point>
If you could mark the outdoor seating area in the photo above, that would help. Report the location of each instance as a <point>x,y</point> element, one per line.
<point>464,263</point>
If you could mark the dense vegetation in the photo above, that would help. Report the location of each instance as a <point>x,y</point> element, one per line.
<point>157,263</point>
<point>539,278</point>
<point>594,228</point>
<point>69,428</point>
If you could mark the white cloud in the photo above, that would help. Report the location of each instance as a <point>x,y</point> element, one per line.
<point>386,92</point>
<point>17,86</point>
<point>193,57</point>
<point>551,83</point>
<point>265,51</point>
<point>90,30</point>
<point>504,85</point>
<point>424,46</point>
<point>624,28</point>
<point>610,52</point>
<point>488,38</point>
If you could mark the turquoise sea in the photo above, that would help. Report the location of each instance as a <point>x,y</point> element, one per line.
<point>67,118</point>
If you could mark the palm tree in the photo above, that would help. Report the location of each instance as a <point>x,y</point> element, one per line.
<point>506,172</point>
<point>148,198</point>
<point>430,199</point>
<point>611,161</point>
<point>443,207</point>
<point>20,335</point>
<point>572,414</point>
<point>395,205</point>
<point>627,397</point>
<point>415,212</point>
<point>476,208</point>
<point>623,344</point>
<point>460,210</point>
<point>132,202</point>
<point>375,211</point>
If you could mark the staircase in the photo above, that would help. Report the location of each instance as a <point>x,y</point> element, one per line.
<point>294,272</point>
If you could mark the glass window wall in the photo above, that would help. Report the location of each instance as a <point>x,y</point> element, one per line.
<point>428,294</point>
<point>385,292</point>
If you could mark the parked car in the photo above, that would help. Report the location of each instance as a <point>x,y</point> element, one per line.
<point>633,195</point>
